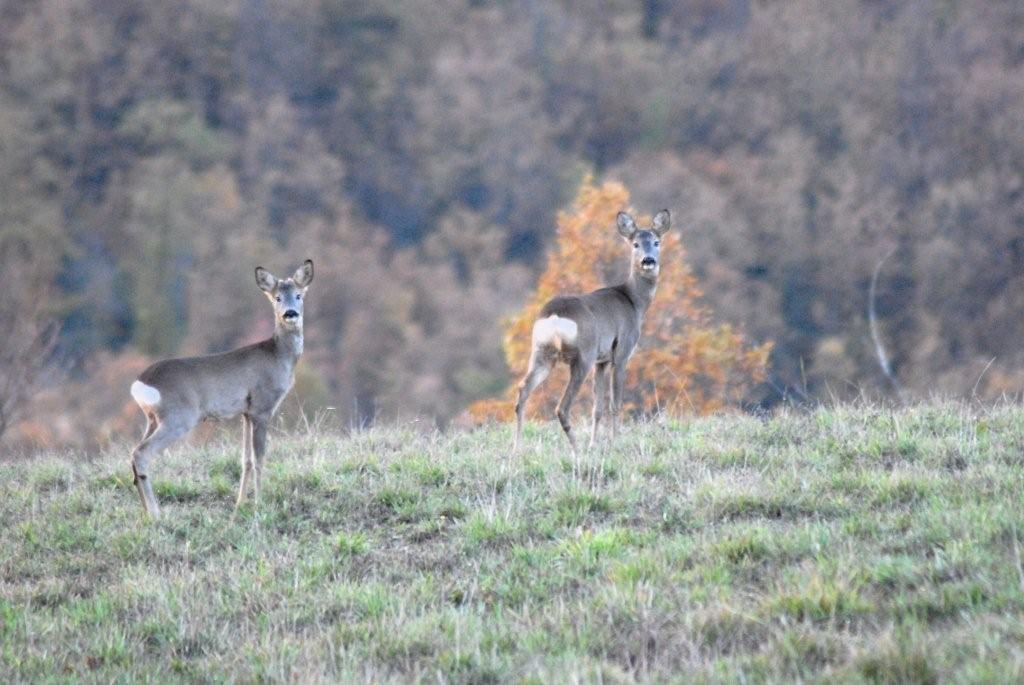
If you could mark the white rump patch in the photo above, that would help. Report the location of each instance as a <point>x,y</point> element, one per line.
<point>145,395</point>
<point>554,330</point>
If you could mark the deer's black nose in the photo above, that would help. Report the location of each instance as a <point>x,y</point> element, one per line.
<point>648,261</point>
<point>291,314</point>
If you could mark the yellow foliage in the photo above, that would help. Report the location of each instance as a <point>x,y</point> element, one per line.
<point>684,363</point>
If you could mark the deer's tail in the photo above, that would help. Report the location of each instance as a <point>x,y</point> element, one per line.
<point>554,331</point>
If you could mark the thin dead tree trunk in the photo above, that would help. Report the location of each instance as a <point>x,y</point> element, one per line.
<point>876,336</point>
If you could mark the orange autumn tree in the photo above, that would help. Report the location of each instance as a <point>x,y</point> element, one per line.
<point>683,364</point>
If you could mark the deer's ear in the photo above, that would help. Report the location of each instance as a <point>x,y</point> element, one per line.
<point>303,276</point>
<point>265,280</point>
<point>627,227</point>
<point>662,222</point>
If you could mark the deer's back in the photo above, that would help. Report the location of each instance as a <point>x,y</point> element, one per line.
<point>606,319</point>
<point>222,385</point>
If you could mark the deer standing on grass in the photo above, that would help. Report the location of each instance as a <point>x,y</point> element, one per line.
<point>598,330</point>
<point>176,394</point>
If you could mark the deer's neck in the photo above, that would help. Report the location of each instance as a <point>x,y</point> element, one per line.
<point>288,342</point>
<point>641,290</point>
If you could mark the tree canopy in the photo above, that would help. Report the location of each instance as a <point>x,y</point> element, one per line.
<point>152,153</point>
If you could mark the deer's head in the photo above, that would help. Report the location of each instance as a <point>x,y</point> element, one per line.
<point>645,242</point>
<point>287,295</point>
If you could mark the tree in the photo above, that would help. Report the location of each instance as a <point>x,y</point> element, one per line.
<point>27,341</point>
<point>684,364</point>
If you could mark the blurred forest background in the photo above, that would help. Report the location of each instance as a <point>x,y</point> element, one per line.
<point>151,153</point>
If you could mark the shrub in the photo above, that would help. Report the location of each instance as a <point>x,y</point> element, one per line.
<point>684,363</point>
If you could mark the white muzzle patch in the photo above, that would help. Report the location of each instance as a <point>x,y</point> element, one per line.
<point>555,330</point>
<point>146,395</point>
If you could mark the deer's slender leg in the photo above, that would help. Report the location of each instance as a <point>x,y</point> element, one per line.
<point>140,460</point>
<point>166,433</point>
<point>151,425</point>
<point>248,460</point>
<point>259,448</point>
<point>618,384</point>
<point>578,370</point>
<point>540,367</point>
<point>600,390</point>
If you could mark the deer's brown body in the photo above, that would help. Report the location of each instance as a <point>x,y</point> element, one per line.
<point>176,394</point>
<point>598,330</point>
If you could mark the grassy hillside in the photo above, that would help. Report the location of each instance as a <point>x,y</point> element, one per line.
<point>850,544</point>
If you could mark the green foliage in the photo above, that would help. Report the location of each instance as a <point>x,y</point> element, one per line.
<point>352,545</point>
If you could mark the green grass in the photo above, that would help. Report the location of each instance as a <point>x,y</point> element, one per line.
<point>844,545</point>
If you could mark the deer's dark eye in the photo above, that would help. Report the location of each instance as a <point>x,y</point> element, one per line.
<point>298,297</point>
<point>278,298</point>
<point>636,244</point>
<point>657,243</point>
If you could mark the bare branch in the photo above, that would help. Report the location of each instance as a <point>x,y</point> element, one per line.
<point>880,351</point>
<point>974,390</point>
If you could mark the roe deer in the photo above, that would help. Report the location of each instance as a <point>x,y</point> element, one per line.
<point>176,394</point>
<point>599,330</point>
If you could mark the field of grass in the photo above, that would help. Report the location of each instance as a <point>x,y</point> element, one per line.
<point>849,545</point>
